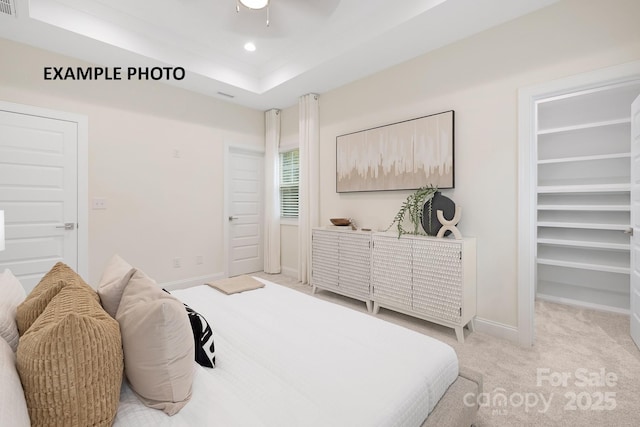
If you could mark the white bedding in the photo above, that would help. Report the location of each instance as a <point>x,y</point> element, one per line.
<point>287,359</point>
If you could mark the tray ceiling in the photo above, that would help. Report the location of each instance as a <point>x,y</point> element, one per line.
<point>309,46</point>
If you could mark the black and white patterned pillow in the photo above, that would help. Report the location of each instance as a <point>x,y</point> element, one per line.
<point>202,337</point>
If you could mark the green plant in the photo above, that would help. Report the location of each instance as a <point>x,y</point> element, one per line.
<point>414,206</point>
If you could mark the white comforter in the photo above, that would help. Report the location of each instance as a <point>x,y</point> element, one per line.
<point>288,359</point>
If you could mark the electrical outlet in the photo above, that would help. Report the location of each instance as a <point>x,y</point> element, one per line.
<point>199,259</point>
<point>99,203</point>
<point>177,263</point>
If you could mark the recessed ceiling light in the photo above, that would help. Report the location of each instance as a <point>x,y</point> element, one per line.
<point>249,47</point>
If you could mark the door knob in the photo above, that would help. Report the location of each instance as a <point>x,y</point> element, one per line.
<point>67,226</point>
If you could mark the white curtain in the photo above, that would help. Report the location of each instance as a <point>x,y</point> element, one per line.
<point>272,192</point>
<point>309,193</point>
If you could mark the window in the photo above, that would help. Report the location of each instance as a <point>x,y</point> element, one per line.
<point>289,176</point>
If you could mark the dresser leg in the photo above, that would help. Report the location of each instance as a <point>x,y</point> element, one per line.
<point>471,326</point>
<point>369,306</point>
<point>313,289</point>
<point>376,308</point>
<point>459,334</point>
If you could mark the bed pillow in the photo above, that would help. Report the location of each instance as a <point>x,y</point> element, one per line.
<point>205,351</point>
<point>70,362</point>
<point>59,276</point>
<point>11,295</point>
<point>158,344</point>
<point>115,277</point>
<point>13,408</point>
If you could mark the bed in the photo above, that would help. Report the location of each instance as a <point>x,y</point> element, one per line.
<point>288,359</point>
<point>282,358</point>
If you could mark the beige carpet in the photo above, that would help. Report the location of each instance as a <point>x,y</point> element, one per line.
<point>584,369</point>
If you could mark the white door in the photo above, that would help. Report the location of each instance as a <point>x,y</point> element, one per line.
<point>38,193</point>
<point>245,211</point>
<point>635,221</point>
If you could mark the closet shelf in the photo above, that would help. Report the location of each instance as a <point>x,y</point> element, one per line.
<point>584,225</point>
<point>599,208</point>
<point>564,293</point>
<point>585,158</point>
<point>586,188</point>
<point>584,266</point>
<point>585,126</point>
<point>597,286</point>
<point>584,244</point>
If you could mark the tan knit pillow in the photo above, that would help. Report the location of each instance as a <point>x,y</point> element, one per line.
<point>59,276</point>
<point>158,344</point>
<point>70,362</point>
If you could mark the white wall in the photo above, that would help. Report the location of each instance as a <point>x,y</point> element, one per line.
<point>478,78</point>
<point>159,207</point>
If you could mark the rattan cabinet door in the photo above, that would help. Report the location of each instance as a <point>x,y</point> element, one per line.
<point>392,271</point>
<point>437,279</point>
<point>324,259</point>
<point>354,265</point>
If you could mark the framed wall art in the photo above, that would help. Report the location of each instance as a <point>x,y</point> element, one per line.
<point>400,156</point>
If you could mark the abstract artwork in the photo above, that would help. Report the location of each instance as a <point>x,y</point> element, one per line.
<point>401,156</point>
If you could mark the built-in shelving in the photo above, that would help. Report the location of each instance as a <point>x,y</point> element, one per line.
<point>599,299</point>
<point>586,158</point>
<point>585,126</point>
<point>584,225</point>
<point>584,265</point>
<point>590,208</point>
<point>584,244</point>
<point>583,196</point>
<point>586,188</point>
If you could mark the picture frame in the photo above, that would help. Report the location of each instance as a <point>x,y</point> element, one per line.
<point>400,156</point>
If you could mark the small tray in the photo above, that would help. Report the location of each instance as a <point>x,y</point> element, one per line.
<point>340,221</point>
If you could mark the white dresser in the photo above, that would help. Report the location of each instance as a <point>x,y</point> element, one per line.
<point>341,262</point>
<point>425,277</point>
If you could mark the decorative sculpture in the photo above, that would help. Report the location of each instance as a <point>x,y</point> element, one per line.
<point>450,225</point>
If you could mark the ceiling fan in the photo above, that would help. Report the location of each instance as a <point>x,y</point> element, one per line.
<point>287,18</point>
<point>254,5</point>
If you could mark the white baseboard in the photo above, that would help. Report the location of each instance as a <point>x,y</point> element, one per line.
<point>192,281</point>
<point>496,329</point>
<point>290,272</point>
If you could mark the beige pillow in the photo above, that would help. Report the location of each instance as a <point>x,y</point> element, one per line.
<point>158,344</point>
<point>59,276</point>
<point>70,362</point>
<point>13,408</point>
<point>234,285</point>
<point>11,295</point>
<point>115,277</point>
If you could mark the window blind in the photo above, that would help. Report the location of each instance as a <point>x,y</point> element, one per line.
<point>289,178</point>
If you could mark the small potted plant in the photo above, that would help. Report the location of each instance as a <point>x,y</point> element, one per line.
<point>412,209</point>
